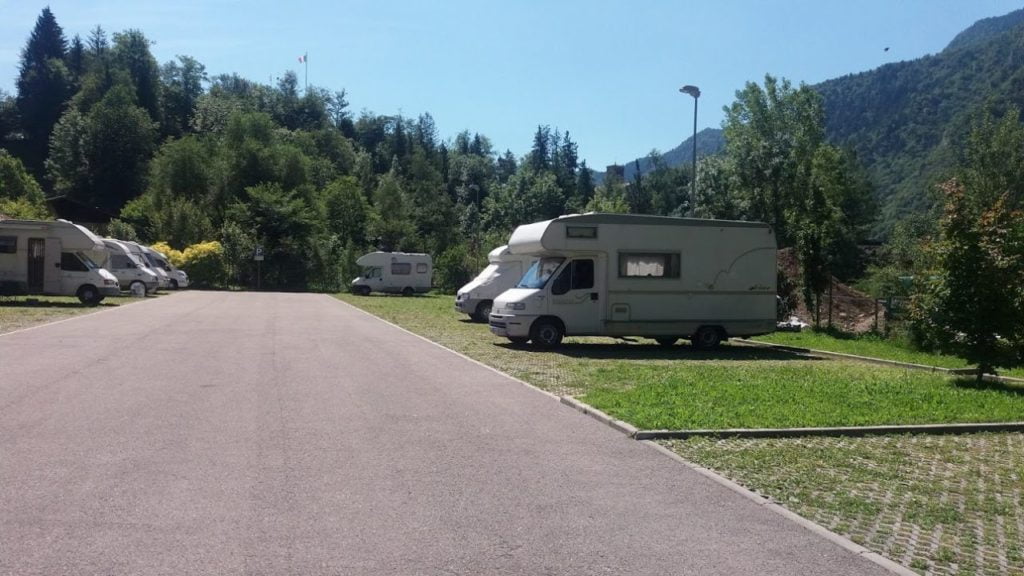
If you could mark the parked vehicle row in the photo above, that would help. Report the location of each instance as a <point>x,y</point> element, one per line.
<point>629,275</point>
<point>60,258</point>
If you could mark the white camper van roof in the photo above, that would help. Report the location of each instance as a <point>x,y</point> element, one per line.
<point>73,238</point>
<point>381,258</point>
<point>550,234</point>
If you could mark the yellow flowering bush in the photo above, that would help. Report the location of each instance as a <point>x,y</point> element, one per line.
<point>204,263</point>
<point>175,257</point>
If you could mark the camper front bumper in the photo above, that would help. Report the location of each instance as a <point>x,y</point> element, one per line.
<point>510,325</point>
<point>114,290</point>
<point>465,304</point>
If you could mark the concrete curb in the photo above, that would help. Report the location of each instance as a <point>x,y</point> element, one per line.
<point>619,425</point>
<point>817,529</point>
<point>878,361</point>
<point>443,347</point>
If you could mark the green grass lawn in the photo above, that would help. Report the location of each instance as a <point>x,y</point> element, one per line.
<point>20,312</point>
<point>737,386</point>
<point>869,345</point>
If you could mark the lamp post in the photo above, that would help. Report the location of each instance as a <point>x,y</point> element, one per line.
<point>695,92</point>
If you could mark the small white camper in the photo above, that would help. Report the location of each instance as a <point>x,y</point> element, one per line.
<point>54,258</point>
<point>176,276</point>
<point>503,271</point>
<point>394,272</point>
<point>141,253</point>
<point>128,269</point>
<point>647,276</point>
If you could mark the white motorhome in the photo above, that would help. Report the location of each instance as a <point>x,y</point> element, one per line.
<point>503,271</point>
<point>177,277</point>
<point>54,258</point>
<point>140,252</point>
<point>127,268</point>
<point>394,272</point>
<point>648,276</point>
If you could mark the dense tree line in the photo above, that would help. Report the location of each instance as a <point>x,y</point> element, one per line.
<point>223,164</point>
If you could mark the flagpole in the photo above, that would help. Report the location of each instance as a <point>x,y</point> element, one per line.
<point>305,81</point>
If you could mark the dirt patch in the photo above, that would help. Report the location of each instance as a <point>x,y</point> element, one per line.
<point>852,310</point>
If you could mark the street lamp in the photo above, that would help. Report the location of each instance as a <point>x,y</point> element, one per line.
<point>695,92</point>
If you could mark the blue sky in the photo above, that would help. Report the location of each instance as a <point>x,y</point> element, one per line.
<point>607,72</point>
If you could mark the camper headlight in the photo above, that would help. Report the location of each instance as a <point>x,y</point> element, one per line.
<point>517,306</point>
<point>109,282</point>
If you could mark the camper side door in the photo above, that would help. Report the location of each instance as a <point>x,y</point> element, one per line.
<point>52,272</point>
<point>577,294</point>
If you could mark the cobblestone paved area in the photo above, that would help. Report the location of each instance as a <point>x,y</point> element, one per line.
<point>942,505</point>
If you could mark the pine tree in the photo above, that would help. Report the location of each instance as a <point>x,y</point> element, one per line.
<point>44,86</point>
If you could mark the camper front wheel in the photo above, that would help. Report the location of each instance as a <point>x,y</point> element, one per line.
<point>707,338</point>
<point>483,311</point>
<point>546,333</point>
<point>89,295</point>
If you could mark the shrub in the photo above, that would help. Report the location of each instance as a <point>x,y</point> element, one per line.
<point>175,257</point>
<point>205,264</point>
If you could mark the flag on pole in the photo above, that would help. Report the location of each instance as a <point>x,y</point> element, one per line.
<point>302,59</point>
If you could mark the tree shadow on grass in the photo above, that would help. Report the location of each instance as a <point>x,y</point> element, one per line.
<point>652,351</point>
<point>989,385</point>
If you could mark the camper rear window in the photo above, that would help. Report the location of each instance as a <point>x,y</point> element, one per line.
<point>581,232</point>
<point>648,265</point>
<point>421,268</point>
<point>8,244</point>
<point>401,268</point>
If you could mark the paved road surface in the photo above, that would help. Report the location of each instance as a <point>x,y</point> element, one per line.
<point>236,433</point>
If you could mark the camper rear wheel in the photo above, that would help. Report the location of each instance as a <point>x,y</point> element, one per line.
<point>89,295</point>
<point>707,338</point>
<point>666,341</point>
<point>483,311</point>
<point>407,291</point>
<point>546,333</point>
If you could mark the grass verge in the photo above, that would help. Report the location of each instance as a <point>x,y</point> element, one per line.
<point>20,312</point>
<point>869,345</point>
<point>654,387</point>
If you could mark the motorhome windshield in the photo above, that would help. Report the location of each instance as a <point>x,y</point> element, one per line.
<point>87,261</point>
<point>540,272</point>
<point>371,272</point>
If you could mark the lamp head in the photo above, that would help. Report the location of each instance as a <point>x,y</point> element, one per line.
<point>691,90</point>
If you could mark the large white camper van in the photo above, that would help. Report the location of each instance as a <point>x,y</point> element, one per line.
<point>503,271</point>
<point>394,272</point>
<point>648,276</point>
<point>54,258</point>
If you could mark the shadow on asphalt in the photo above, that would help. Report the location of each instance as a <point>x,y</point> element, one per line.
<point>652,351</point>
<point>44,304</point>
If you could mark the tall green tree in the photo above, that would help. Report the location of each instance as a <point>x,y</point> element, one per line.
<point>182,86</point>
<point>131,53</point>
<point>20,194</point>
<point>974,305</point>
<point>44,87</point>
<point>772,134</point>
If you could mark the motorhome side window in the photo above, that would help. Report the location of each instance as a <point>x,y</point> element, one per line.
<point>581,232</point>
<point>8,244</point>
<point>421,268</point>
<point>70,263</point>
<point>121,261</point>
<point>578,275</point>
<point>401,268</point>
<point>648,265</point>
